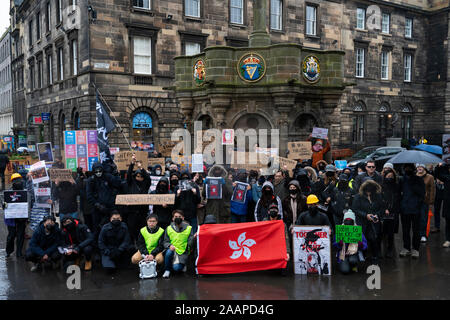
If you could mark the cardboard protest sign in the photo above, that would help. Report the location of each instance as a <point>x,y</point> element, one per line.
<point>348,234</point>
<point>45,151</point>
<point>154,180</point>
<point>41,196</point>
<point>39,172</point>
<point>340,164</point>
<point>17,204</point>
<point>299,150</point>
<point>311,246</point>
<point>144,199</point>
<point>240,192</point>
<point>123,159</point>
<point>286,164</point>
<point>61,175</point>
<point>161,161</point>
<point>214,188</point>
<point>165,147</point>
<point>320,133</point>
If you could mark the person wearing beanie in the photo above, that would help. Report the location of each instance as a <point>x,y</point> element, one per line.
<point>349,254</point>
<point>428,202</point>
<point>150,242</point>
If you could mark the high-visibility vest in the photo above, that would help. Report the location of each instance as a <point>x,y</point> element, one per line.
<point>179,239</point>
<point>151,239</point>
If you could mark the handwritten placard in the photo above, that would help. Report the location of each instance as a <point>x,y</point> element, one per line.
<point>144,199</point>
<point>123,159</point>
<point>165,147</point>
<point>161,161</point>
<point>348,234</point>
<point>320,133</point>
<point>299,150</point>
<point>61,175</point>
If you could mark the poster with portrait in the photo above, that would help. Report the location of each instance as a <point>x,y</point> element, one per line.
<point>239,192</point>
<point>213,188</point>
<point>312,250</point>
<point>41,196</point>
<point>446,148</point>
<point>45,151</point>
<point>38,172</point>
<point>228,137</point>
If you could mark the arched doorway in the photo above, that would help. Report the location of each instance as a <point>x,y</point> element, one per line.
<point>256,122</point>
<point>302,127</point>
<point>142,134</point>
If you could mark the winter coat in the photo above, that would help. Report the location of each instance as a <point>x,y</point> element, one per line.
<point>166,242</point>
<point>261,211</point>
<point>142,247</point>
<point>164,214</point>
<point>412,190</point>
<point>220,208</point>
<point>103,190</point>
<point>359,180</point>
<point>241,208</point>
<point>85,207</point>
<point>307,218</point>
<point>341,199</point>
<point>135,187</point>
<point>42,244</point>
<point>288,215</point>
<point>430,189</point>
<point>317,156</point>
<point>187,201</point>
<point>111,238</point>
<point>281,189</point>
<point>82,238</point>
<point>362,245</point>
<point>256,192</point>
<point>443,174</point>
<point>286,235</point>
<point>4,160</point>
<point>67,198</point>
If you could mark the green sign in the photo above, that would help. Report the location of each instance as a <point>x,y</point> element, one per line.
<point>71,164</point>
<point>348,234</point>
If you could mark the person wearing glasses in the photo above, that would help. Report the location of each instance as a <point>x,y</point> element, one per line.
<point>370,173</point>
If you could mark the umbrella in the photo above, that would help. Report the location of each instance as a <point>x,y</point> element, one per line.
<point>430,148</point>
<point>414,156</point>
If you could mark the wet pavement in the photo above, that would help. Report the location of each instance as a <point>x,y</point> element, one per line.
<point>425,278</point>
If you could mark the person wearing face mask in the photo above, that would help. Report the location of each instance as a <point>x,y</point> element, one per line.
<point>349,254</point>
<point>280,184</point>
<point>114,243</point>
<point>157,171</point>
<point>370,173</point>
<point>320,166</point>
<point>150,242</point>
<point>66,193</point>
<point>390,218</point>
<point>16,227</point>
<point>263,204</point>
<point>239,209</point>
<point>312,216</point>
<point>428,202</point>
<point>43,247</point>
<point>178,243</point>
<point>257,189</point>
<point>187,200</point>
<point>163,212</point>
<point>319,150</point>
<point>412,190</point>
<point>368,206</point>
<point>174,180</point>
<point>341,198</point>
<point>220,208</point>
<point>294,204</point>
<point>77,239</point>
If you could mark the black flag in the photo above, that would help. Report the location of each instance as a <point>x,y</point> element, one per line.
<point>104,126</point>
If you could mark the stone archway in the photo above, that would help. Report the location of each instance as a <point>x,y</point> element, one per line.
<point>302,127</point>
<point>253,121</point>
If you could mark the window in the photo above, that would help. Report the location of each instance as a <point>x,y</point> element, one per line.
<point>49,69</point>
<point>358,123</point>
<point>406,126</point>
<point>32,77</point>
<point>276,14</point>
<point>408,27</point>
<point>39,74</point>
<point>142,129</point>
<point>360,18</point>
<point>385,19</point>
<point>192,48</point>
<point>38,25</point>
<point>143,4</point>
<point>142,55</point>
<point>60,64</point>
<point>30,33</point>
<point>384,65</point>
<point>311,19</point>
<point>73,3</point>
<point>360,63</point>
<point>192,8</point>
<point>48,17</point>
<point>74,57</point>
<point>58,11</point>
<point>407,66</point>
<point>237,11</point>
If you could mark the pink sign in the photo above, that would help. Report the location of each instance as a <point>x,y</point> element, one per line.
<point>81,137</point>
<point>83,163</point>
<point>71,151</point>
<point>92,150</point>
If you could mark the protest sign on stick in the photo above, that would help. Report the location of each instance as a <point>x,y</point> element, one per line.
<point>60,175</point>
<point>144,199</point>
<point>299,150</point>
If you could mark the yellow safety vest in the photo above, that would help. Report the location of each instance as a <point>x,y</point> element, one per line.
<point>151,239</point>
<point>179,239</point>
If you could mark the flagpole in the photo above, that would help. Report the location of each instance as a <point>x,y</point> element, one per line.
<point>111,112</point>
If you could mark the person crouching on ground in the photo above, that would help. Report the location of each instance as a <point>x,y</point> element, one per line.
<point>348,253</point>
<point>178,241</point>
<point>150,242</point>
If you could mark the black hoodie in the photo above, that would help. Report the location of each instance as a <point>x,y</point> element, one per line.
<point>164,214</point>
<point>187,200</point>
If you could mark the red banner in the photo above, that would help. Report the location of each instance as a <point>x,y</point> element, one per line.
<point>241,247</point>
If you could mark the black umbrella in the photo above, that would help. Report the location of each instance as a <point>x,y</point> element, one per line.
<point>414,156</point>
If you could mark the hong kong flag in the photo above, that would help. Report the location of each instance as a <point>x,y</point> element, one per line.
<point>241,247</point>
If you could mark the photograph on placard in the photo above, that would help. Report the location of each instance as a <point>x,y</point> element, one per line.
<point>45,152</point>
<point>38,172</point>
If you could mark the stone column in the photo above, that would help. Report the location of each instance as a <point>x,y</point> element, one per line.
<point>220,104</point>
<point>284,104</point>
<point>259,37</point>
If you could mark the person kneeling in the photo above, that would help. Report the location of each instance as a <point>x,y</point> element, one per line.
<point>150,242</point>
<point>77,240</point>
<point>178,241</point>
<point>348,254</point>
<point>43,247</point>
<point>114,243</point>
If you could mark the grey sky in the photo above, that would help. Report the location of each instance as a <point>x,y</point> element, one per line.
<point>4,15</point>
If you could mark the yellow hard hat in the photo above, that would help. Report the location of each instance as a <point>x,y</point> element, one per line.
<point>16,176</point>
<point>312,199</point>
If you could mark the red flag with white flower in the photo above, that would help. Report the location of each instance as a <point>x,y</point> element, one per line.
<point>241,247</point>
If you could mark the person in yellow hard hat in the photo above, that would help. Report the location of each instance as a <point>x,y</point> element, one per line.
<point>312,217</point>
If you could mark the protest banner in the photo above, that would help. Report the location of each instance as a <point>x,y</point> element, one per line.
<point>154,161</point>
<point>340,164</point>
<point>123,159</point>
<point>38,172</point>
<point>60,175</point>
<point>299,150</point>
<point>348,234</point>
<point>81,149</point>
<point>213,188</point>
<point>154,182</point>
<point>197,163</point>
<point>165,147</point>
<point>45,151</point>
<point>240,192</point>
<point>446,148</point>
<point>312,250</point>
<point>17,204</point>
<point>320,133</point>
<point>144,199</point>
<point>41,196</point>
<point>286,164</point>
<point>228,137</point>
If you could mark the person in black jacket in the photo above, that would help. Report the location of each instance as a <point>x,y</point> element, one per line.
<point>43,246</point>
<point>163,212</point>
<point>294,204</point>
<point>341,198</point>
<point>368,206</point>
<point>150,237</point>
<point>66,192</point>
<point>312,217</point>
<point>188,199</point>
<point>370,173</point>
<point>443,174</point>
<point>114,243</point>
<point>4,160</point>
<point>77,239</point>
<point>86,208</point>
<point>412,190</point>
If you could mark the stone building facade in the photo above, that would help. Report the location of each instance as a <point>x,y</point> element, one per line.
<point>395,67</point>
<point>6,114</point>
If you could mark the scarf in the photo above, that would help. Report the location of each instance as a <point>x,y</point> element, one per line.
<point>294,209</point>
<point>351,250</point>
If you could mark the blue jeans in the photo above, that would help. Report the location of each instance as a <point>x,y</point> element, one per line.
<point>423,220</point>
<point>194,224</point>
<point>235,218</point>
<point>168,262</point>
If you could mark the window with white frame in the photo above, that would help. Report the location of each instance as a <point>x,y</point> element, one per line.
<point>385,20</point>
<point>384,65</point>
<point>50,69</point>
<point>408,27</point>
<point>276,14</point>
<point>60,64</point>
<point>192,8</point>
<point>311,18</point>
<point>237,11</point>
<point>74,57</point>
<point>358,124</point>
<point>48,17</point>
<point>192,48</point>
<point>59,9</point>
<point>143,4</point>
<point>407,66</point>
<point>359,62</point>
<point>142,55</point>
<point>360,18</point>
